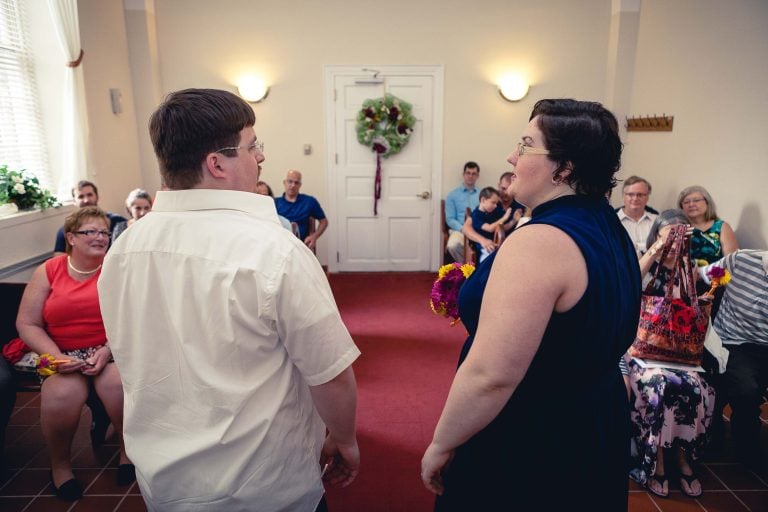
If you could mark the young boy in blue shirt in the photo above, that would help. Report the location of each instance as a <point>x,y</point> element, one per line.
<point>487,218</point>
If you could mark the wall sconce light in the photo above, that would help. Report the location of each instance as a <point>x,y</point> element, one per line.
<point>513,87</point>
<point>253,89</point>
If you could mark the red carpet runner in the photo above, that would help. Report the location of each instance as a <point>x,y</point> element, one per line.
<point>408,360</point>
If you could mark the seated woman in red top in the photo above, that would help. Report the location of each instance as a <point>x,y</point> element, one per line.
<point>60,315</point>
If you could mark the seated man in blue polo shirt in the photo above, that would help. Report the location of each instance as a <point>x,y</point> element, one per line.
<point>299,208</point>
<point>85,194</point>
<point>457,201</point>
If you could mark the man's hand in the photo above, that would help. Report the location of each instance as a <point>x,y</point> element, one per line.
<point>311,241</point>
<point>343,462</point>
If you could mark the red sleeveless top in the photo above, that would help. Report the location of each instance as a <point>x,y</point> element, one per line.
<point>71,312</point>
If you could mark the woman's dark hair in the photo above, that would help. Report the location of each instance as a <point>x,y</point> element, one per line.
<point>584,137</point>
<point>189,125</point>
<point>269,189</point>
<point>665,218</point>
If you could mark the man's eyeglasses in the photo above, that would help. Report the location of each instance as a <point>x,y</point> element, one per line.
<point>528,150</point>
<point>256,146</point>
<point>92,233</point>
<point>693,200</point>
<point>638,195</point>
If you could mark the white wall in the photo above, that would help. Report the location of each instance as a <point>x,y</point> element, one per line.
<point>114,143</point>
<point>705,63</point>
<point>205,44</point>
<point>701,61</point>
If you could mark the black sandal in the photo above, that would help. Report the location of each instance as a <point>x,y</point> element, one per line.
<point>661,480</point>
<point>689,479</point>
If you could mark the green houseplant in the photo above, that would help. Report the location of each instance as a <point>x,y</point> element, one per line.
<point>23,189</point>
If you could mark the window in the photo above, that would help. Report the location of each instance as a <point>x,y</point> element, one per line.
<point>21,128</point>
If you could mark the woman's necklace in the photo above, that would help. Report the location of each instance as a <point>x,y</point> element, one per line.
<point>83,272</point>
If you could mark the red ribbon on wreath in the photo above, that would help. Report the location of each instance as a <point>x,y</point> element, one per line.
<point>378,149</point>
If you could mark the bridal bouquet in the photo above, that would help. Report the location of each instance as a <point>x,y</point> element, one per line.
<point>445,292</point>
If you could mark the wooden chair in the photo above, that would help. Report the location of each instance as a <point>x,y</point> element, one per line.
<point>311,229</point>
<point>10,298</point>
<point>470,254</point>
<point>444,234</point>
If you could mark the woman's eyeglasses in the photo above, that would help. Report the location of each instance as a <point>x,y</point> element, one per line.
<point>528,150</point>
<point>693,200</point>
<point>92,233</point>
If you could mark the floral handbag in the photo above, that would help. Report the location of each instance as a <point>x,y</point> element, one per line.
<point>672,327</point>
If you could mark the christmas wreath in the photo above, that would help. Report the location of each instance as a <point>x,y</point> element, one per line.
<point>385,125</point>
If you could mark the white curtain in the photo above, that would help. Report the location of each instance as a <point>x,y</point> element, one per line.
<point>75,151</point>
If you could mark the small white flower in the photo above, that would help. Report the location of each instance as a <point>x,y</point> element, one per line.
<point>19,188</point>
<point>17,179</point>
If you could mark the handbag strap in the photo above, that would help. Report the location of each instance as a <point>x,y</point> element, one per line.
<point>669,245</point>
<point>678,247</point>
<point>688,270</point>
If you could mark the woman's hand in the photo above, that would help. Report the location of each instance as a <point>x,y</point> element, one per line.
<point>74,365</point>
<point>94,364</point>
<point>434,462</point>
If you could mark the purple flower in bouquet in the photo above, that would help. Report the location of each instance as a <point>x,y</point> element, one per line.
<point>445,292</point>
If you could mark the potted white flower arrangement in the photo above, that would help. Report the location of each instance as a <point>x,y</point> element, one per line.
<point>19,190</point>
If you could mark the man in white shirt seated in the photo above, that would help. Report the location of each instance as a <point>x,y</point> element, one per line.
<point>233,356</point>
<point>636,216</point>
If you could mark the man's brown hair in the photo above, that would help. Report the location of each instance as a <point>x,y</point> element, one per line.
<point>189,125</point>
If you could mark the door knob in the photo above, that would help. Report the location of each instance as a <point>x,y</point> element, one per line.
<point>425,195</point>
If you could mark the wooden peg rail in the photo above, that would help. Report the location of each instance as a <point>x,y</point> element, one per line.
<point>662,123</point>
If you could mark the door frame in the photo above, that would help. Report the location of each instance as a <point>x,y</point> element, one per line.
<point>436,178</point>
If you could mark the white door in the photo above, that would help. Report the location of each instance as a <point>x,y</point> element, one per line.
<point>404,236</point>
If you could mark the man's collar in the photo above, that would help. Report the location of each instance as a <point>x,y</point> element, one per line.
<point>623,215</point>
<point>200,199</point>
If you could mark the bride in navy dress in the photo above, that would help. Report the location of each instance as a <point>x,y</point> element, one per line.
<point>537,416</point>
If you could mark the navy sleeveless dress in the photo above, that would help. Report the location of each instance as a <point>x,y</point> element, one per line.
<point>562,440</point>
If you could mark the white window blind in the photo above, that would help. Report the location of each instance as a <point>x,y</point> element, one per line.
<point>21,126</point>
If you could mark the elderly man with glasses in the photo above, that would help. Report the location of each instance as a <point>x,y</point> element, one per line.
<point>636,216</point>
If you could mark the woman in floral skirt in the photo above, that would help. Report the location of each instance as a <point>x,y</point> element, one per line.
<point>671,408</point>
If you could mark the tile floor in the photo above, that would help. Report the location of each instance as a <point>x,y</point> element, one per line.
<point>25,484</point>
